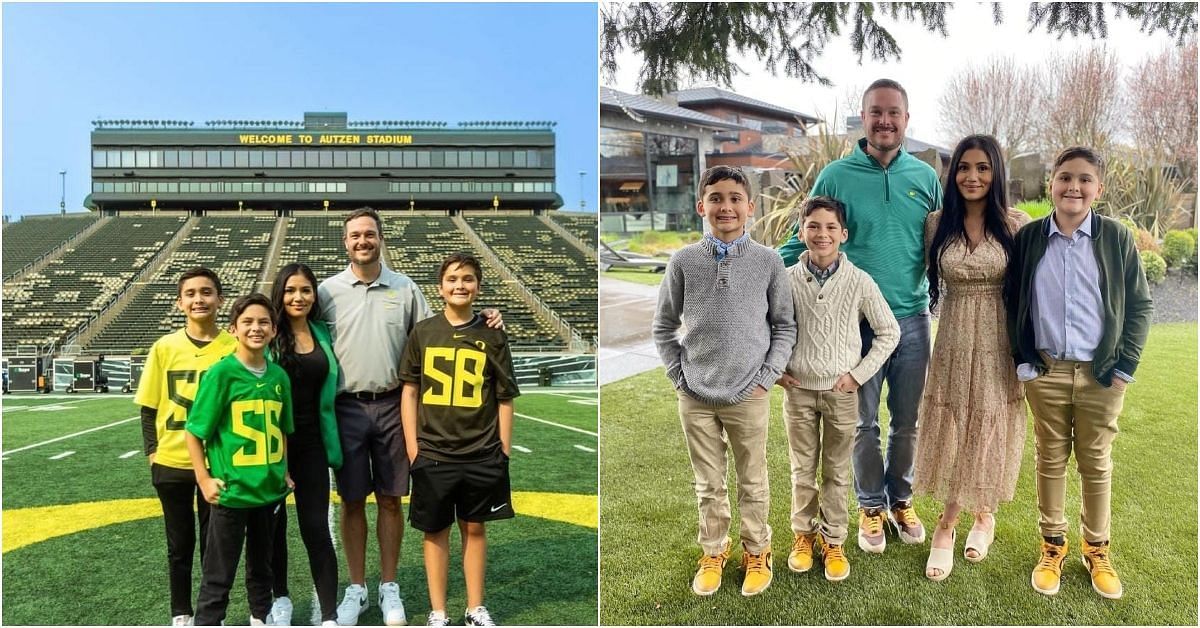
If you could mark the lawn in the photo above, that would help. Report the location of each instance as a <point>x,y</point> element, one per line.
<point>648,518</point>
<point>87,522</point>
<point>635,275</point>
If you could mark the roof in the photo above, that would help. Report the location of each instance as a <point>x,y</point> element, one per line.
<point>916,146</point>
<point>700,95</point>
<point>652,107</point>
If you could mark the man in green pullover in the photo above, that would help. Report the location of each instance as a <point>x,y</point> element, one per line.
<point>887,193</point>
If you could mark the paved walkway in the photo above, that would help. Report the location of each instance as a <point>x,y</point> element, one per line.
<point>626,313</point>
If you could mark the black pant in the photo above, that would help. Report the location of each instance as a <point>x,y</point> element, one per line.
<point>228,528</point>
<point>309,467</point>
<point>177,491</point>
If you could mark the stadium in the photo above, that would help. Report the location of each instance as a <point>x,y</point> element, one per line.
<point>86,295</point>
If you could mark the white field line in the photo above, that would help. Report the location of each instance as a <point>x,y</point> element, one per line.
<point>586,402</point>
<point>565,427</point>
<point>524,450</point>
<point>629,302</point>
<point>587,449</point>
<point>128,454</point>
<point>55,440</point>
<point>69,400</point>
<point>62,455</point>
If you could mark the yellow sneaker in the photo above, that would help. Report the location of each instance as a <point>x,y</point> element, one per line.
<point>1104,577</point>
<point>837,566</point>
<point>1048,573</point>
<point>758,572</point>
<point>871,538</point>
<point>800,559</point>
<point>708,577</point>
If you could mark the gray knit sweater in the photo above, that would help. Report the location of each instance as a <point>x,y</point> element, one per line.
<point>738,318</point>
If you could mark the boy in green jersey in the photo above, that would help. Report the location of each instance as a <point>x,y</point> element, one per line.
<point>239,419</point>
<point>457,411</point>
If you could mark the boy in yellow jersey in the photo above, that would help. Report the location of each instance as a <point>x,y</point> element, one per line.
<point>166,390</point>
<point>457,411</point>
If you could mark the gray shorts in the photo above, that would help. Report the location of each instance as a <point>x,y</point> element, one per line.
<point>373,452</point>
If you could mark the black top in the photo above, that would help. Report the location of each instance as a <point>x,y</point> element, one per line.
<point>311,369</point>
<point>464,372</point>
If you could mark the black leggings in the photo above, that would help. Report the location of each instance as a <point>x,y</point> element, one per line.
<point>177,491</point>
<point>309,467</point>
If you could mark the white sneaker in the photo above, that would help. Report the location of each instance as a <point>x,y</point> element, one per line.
<point>437,618</point>
<point>478,616</point>
<point>329,622</point>
<point>281,612</point>
<point>254,621</point>
<point>390,604</point>
<point>353,605</point>
<point>181,620</point>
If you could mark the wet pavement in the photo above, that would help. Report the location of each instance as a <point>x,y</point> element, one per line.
<point>626,346</point>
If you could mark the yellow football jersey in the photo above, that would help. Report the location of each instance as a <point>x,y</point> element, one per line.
<point>169,382</point>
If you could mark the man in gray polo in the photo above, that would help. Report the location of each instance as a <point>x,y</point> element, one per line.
<point>371,310</point>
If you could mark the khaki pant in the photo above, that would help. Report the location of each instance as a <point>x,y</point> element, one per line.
<point>820,428</point>
<point>1071,409</point>
<point>710,431</point>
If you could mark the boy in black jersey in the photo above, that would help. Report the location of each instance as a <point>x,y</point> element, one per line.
<point>457,412</point>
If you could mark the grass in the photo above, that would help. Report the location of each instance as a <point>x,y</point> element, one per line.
<point>648,513</point>
<point>635,275</point>
<point>656,242</point>
<point>540,570</point>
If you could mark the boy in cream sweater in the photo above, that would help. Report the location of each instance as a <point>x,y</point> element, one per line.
<point>830,296</point>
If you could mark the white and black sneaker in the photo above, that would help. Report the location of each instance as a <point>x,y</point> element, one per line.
<point>281,612</point>
<point>390,604</point>
<point>437,618</point>
<point>181,620</point>
<point>353,605</point>
<point>478,616</point>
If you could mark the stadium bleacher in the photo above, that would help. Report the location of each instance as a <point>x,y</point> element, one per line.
<point>34,236</point>
<point>44,308</point>
<point>556,271</point>
<point>233,246</point>
<point>417,246</point>
<point>578,224</point>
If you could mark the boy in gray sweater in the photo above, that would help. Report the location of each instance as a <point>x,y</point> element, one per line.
<point>733,297</point>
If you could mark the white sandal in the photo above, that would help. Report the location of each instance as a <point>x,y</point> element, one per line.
<point>980,542</point>
<point>941,558</point>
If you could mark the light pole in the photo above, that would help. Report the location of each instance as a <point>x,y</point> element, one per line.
<point>62,203</point>
<point>582,201</point>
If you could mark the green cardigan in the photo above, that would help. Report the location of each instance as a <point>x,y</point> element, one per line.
<point>328,421</point>
<point>1123,288</point>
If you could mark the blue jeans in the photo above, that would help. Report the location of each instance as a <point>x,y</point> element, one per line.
<point>881,482</point>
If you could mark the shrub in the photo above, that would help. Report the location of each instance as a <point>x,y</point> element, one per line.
<point>1155,266</point>
<point>1177,248</point>
<point>1144,240</point>
<point>1129,224</point>
<point>1035,209</point>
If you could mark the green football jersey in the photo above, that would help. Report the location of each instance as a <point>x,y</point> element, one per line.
<point>464,372</point>
<point>242,420</point>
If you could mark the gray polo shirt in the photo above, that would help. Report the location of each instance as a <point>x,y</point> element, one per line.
<point>370,324</point>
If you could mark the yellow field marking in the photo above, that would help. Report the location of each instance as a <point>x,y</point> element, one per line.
<point>26,526</point>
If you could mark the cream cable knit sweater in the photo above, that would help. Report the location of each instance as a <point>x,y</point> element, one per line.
<point>827,318</point>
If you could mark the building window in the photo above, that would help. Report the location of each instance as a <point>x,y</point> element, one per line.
<point>256,159</point>
<point>423,159</point>
<point>126,159</point>
<point>533,159</point>
<point>409,157</point>
<point>506,159</point>
<point>226,159</point>
<point>98,159</point>
<point>437,159</point>
<point>381,159</point>
<point>171,159</point>
<point>297,159</point>
<point>311,159</point>
<point>325,159</point>
<point>451,159</point>
<point>268,159</point>
<point>368,159</point>
<point>519,159</point>
<point>353,159</point>
<point>493,159</point>
<point>241,159</point>
<point>339,159</point>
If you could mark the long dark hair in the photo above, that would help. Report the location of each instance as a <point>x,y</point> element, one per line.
<point>283,347</point>
<point>954,208</point>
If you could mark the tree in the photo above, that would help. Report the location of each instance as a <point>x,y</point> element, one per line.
<point>997,97</point>
<point>1083,102</point>
<point>1162,108</point>
<point>695,39</point>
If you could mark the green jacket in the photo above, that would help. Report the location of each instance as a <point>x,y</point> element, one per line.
<point>328,420</point>
<point>1123,288</point>
<point>885,214</point>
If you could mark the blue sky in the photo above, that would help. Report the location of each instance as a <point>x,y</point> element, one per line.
<point>65,65</point>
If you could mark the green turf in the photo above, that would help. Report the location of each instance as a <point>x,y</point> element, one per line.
<point>648,516</point>
<point>121,569</point>
<point>635,275</point>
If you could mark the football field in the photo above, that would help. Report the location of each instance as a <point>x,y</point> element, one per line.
<point>83,540</point>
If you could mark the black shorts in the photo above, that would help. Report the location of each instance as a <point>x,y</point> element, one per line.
<point>373,456</point>
<point>471,491</point>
